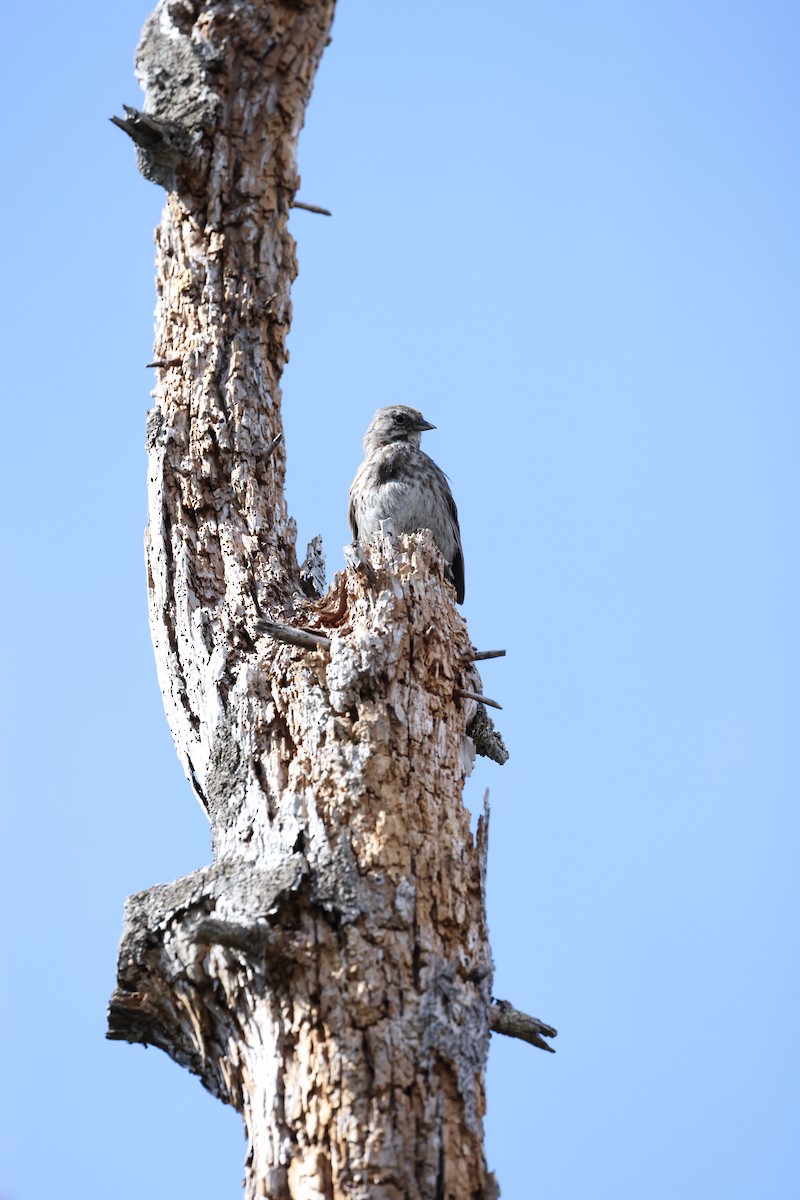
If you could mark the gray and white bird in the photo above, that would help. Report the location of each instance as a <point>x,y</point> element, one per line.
<point>398,481</point>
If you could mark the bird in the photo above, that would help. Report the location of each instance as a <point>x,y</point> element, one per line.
<point>398,481</point>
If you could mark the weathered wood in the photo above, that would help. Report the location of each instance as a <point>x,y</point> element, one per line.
<point>466,695</point>
<point>487,740</point>
<point>336,986</point>
<point>291,636</point>
<point>312,570</point>
<point>510,1021</point>
<point>330,974</point>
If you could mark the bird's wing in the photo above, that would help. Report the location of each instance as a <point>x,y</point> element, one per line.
<point>351,512</point>
<point>457,565</point>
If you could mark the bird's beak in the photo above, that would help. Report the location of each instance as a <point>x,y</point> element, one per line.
<point>423,424</point>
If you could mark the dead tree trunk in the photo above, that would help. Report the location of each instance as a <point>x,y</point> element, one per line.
<point>330,974</point>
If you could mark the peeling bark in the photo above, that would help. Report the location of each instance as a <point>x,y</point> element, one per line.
<point>330,974</point>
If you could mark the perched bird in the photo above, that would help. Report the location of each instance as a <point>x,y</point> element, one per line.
<point>398,481</point>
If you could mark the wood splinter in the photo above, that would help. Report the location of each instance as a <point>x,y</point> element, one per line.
<point>476,696</point>
<point>315,208</point>
<point>141,128</point>
<point>506,1019</point>
<point>291,636</point>
<point>252,938</point>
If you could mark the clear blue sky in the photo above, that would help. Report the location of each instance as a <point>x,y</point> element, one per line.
<point>569,233</point>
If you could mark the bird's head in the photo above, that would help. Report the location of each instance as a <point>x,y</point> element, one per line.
<point>395,423</point>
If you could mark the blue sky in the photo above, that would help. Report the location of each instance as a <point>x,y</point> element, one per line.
<point>569,234</point>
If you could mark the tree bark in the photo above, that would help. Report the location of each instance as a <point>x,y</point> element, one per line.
<point>329,974</point>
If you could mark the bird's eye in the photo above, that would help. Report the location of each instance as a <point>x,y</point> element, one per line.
<point>399,418</point>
